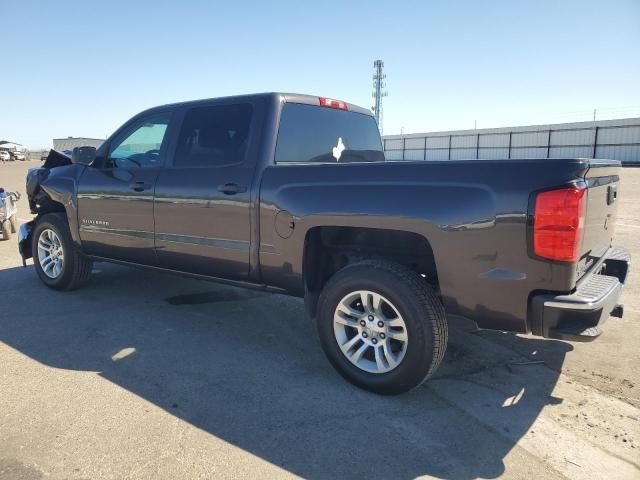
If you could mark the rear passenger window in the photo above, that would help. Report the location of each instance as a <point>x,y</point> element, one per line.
<point>213,136</point>
<point>318,134</point>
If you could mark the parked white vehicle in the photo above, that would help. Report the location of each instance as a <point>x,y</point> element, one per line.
<point>4,156</point>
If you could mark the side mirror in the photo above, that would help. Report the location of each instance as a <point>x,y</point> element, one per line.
<point>83,155</point>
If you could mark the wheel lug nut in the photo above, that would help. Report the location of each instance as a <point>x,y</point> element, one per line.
<point>364,335</point>
<point>382,336</point>
<point>371,318</point>
<point>380,323</point>
<point>363,323</point>
<point>374,340</point>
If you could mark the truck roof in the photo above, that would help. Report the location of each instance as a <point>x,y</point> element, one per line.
<point>275,96</point>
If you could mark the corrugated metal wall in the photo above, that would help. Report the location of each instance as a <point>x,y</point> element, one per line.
<point>614,139</point>
<point>69,143</point>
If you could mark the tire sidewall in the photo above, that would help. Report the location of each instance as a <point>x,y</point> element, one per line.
<point>420,347</point>
<point>59,226</point>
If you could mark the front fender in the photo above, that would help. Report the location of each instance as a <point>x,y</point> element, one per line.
<point>61,186</point>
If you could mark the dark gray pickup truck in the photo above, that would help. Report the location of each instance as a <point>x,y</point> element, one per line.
<point>292,194</point>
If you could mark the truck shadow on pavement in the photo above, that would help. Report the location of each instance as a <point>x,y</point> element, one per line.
<point>250,371</point>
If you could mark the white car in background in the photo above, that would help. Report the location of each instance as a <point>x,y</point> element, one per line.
<point>4,156</point>
<point>19,156</point>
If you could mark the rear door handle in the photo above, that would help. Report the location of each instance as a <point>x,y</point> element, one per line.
<point>139,186</point>
<point>231,188</point>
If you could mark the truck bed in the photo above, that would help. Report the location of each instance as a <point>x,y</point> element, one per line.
<point>476,215</point>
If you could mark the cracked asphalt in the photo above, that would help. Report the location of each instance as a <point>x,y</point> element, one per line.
<point>147,375</point>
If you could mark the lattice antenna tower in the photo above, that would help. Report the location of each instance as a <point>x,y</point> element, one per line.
<point>379,92</point>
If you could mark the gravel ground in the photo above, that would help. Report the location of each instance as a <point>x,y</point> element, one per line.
<point>146,375</point>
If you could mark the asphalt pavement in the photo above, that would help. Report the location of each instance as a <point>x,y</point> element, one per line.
<point>147,375</point>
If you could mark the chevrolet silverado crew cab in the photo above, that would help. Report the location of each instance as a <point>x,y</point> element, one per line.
<point>292,194</point>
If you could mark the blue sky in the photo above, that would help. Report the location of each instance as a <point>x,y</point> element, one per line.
<point>82,68</point>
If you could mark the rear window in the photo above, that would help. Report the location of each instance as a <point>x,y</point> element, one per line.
<point>317,134</point>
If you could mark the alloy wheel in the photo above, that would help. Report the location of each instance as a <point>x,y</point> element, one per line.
<point>50,253</point>
<point>370,331</point>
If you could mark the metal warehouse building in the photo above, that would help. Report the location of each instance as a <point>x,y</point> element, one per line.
<point>614,139</point>
<point>69,143</point>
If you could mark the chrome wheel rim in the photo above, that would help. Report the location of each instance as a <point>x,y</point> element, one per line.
<point>370,331</point>
<point>50,253</point>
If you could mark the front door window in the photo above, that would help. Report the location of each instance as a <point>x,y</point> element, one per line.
<point>141,145</point>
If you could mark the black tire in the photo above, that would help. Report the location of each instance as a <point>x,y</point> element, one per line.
<point>14,224</point>
<point>77,266</point>
<point>6,230</point>
<point>416,301</point>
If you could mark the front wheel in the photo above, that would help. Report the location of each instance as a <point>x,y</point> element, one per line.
<point>382,326</point>
<point>58,262</point>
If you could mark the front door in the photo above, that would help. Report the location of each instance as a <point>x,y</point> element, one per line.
<point>115,198</point>
<point>202,201</point>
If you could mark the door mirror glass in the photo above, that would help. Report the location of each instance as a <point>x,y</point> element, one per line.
<point>83,155</point>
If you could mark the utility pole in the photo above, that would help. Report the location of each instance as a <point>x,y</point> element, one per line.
<point>378,91</point>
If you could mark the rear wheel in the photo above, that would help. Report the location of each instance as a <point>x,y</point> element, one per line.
<point>382,326</point>
<point>58,262</point>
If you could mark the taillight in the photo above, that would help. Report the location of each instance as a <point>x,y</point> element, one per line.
<point>331,103</point>
<point>558,223</point>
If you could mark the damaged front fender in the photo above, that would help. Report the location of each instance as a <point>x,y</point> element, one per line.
<point>52,188</point>
<point>55,190</point>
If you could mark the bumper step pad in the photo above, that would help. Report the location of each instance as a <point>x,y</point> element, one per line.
<point>589,297</point>
<point>590,292</point>
<point>575,333</point>
<point>578,317</point>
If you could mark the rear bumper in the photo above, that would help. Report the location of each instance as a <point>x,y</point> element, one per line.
<point>578,316</point>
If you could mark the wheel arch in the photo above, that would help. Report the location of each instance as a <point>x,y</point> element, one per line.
<point>329,248</point>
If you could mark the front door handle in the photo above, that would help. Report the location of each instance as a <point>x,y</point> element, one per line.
<point>139,186</point>
<point>231,188</point>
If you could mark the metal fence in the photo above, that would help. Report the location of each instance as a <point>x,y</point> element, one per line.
<point>613,139</point>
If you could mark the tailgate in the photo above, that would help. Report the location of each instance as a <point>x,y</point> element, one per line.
<point>603,197</point>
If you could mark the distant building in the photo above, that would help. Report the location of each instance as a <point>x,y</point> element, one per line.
<point>69,143</point>
<point>612,139</point>
<point>11,146</point>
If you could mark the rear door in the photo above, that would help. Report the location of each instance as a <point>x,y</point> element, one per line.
<point>202,201</point>
<point>115,198</point>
